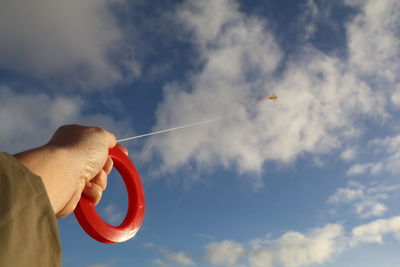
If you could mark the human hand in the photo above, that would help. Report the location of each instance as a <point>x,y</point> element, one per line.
<point>73,162</point>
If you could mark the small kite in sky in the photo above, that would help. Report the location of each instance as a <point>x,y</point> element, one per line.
<point>272,97</point>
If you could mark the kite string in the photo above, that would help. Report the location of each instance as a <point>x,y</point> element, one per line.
<point>176,128</point>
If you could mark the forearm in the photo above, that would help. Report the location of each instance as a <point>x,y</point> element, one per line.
<point>74,161</point>
<point>50,163</point>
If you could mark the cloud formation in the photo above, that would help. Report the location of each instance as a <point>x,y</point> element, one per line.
<point>387,152</point>
<point>346,195</point>
<point>225,253</point>
<point>295,249</point>
<point>74,43</point>
<point>366,200</point>
<point>349,154</point>
<point>174,259</point>
<point>374,232</point>
<point>321,96</point>
<point>373,39</point>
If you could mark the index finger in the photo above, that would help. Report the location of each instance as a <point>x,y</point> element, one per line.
<point>111,139</point>
<point>123,149</point>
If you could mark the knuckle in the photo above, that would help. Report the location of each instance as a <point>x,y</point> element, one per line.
<point>97,194</point>
<point>101,180</point>
<point>93,129</point>
<point>97,129</point>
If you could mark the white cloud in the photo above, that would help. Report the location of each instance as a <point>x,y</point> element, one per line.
<point>308,19</point>
<point>225,253</point>
<point>296,249</point>
<point>366,200</point>
<point>313,15</point>
<point>348,154</point>
<point>112,214</point>
<point>374,38</point>
<point>373,232</point>
<point>159,262</point>
<point>370,208</point>
<point>319,96</point>
<point>66,41</point>
<point>390,144</point>
<point>29,119</point>
<point>180,258</point>
<point>292,249</point>
<point>358,169</point>
<point>396,96</point>
<point>389,158</point>
<point>343,195</point>
<point>368,168</point>
<point>174,259</point>
<point>230,44</point>
<point>382,188</point>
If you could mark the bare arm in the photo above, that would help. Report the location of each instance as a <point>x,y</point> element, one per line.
<point>74,161</point>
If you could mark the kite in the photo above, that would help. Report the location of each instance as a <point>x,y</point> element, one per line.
<point>272,97</point>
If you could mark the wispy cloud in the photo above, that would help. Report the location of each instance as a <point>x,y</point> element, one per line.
<point>343,195</point>
<point>205,236</point>
<point>370,208</point>
<point>307,21</point>
<point>386,150</point>
<point>113,214</point>
<point>349,154</point>
<point>366,200</point>
<point>149,245</point>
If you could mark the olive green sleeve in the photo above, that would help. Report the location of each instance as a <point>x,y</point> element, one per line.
<point>28,227</point>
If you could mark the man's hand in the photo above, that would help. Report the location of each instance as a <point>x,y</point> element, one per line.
<point>74,161</point>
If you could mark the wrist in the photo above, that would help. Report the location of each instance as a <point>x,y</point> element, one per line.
<point>48,162</point>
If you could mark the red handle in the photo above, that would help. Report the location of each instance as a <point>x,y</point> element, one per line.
<point>95,226</point>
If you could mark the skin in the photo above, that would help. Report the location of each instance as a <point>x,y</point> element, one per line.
<point>75,161</point>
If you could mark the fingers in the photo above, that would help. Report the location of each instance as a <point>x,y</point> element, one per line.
<point>71,204</point>
<point>108,165</point>
<point>111,139</point>
<point>95,187</point>
<point>123,149</point>
<point>100,179</point>
<point>93,192</point>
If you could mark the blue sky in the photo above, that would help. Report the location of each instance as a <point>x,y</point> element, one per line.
<point>309,180</point>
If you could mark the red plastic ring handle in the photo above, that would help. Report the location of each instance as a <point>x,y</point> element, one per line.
<point>95,226</point>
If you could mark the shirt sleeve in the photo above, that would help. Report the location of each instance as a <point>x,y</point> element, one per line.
<point>28,227</point>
